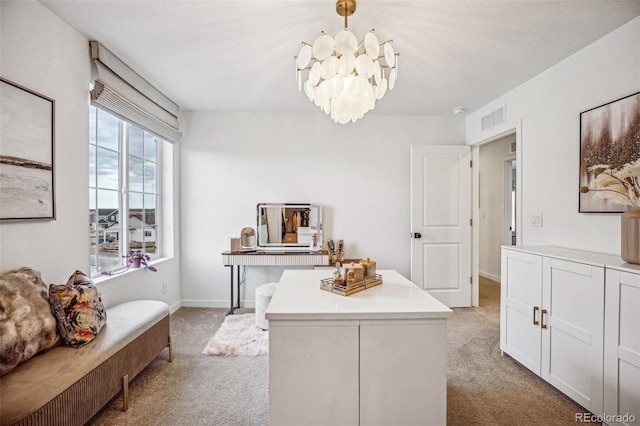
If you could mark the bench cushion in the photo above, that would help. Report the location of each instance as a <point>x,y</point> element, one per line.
<point>34,383</point>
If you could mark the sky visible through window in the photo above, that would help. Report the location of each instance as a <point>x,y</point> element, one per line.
<point>107,167</point>
<point>142,174</point>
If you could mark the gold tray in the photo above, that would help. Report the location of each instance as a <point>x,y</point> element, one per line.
<point>348,289</point>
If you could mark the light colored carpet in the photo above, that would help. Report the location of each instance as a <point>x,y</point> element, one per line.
<point>483,387</point>
<point>238,336</point>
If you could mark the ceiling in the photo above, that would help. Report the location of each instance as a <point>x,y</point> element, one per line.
<point>239,55</point>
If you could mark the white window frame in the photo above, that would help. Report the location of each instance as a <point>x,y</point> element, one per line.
<point>124,195</point>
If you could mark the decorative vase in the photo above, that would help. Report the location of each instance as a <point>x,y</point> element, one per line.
<point>135,263</point>
<point>630,233</point>
<point>314,246</point>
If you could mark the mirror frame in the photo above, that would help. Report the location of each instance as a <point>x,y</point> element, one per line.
<point>260,230</point>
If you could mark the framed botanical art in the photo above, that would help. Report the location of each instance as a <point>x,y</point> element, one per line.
<point>610,157</point>
<point>27,133</point>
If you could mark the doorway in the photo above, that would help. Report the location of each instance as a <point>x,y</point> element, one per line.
<point>496,208</point>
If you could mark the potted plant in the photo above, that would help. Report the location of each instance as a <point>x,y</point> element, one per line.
<point>134,259</point>
<point>137,258</point>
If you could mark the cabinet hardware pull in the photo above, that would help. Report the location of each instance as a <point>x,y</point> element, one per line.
<point>543,325</point>
<point>535,321</point>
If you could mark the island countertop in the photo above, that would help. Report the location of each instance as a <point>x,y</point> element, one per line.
<point>298,297</point>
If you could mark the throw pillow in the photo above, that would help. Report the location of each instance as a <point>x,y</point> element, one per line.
<point>78,308</point>
<point>27,325</point>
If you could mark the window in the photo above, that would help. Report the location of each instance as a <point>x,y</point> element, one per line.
<point>124,171</point>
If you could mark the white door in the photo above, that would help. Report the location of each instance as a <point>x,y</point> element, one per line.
<point>441,222</point>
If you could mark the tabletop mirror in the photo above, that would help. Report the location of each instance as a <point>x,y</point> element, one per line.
<point>288,226</point>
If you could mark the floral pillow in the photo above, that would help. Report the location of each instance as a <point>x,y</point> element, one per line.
<point>78,308</point>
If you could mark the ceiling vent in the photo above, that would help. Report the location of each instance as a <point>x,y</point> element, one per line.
<point>493,119</point>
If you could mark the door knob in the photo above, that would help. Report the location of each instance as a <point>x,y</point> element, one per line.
<point>416,235</point>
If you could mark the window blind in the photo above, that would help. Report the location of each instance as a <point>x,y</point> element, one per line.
<point>123,92</point>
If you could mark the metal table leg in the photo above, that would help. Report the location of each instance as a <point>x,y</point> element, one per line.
<point>230,311</point>
<point>237,304</point>
<point>238,286</point>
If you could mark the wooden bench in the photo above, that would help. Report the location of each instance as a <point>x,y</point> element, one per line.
<point>67,386</point>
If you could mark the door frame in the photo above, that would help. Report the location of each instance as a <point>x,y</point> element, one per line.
<point>507,164</point>
<point>475,202</point>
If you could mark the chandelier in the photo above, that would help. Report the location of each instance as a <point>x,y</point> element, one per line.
<point>345,78</point>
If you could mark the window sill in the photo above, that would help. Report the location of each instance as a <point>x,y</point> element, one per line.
<point>103,278</point>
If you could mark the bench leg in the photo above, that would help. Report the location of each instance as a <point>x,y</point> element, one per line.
<point>170,353</point>
<point>125,392</point>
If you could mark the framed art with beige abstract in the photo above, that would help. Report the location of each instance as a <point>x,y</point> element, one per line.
<point>610,156</point>
<point>27,142</point>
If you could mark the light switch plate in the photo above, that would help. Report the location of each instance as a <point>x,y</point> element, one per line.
<point>536,220</point>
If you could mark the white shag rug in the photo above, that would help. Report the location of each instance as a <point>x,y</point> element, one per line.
<point>238,336</point>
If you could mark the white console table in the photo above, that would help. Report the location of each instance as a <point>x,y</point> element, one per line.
<point>267,258</point>
<point>375,357</point>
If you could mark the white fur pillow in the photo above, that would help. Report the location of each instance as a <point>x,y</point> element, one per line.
<point>27,325</point>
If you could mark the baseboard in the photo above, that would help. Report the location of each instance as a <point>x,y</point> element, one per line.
<point>215,304</point>
<point>489,276</point>
<point>173,308</point>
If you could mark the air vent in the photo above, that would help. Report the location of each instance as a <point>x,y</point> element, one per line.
<point>512,148</point>
<point>493,119</point>
<point>486,122</point>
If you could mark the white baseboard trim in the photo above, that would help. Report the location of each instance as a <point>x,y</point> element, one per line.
<point>216,304</point>
<point>489,276</point>
<point>173,308</point>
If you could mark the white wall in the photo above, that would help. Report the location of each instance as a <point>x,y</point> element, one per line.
<point>359,172</point>
<point>549,107</point>
<point>492,158</point>
<point>44,54</point>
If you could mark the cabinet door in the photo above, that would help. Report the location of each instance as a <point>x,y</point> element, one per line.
<point>313,372</point>
<point>403,365</point>
<point>572,342</point>
<point>622,346</point>
<point>520,304</point>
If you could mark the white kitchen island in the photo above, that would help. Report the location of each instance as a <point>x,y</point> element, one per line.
<point>377,357</point>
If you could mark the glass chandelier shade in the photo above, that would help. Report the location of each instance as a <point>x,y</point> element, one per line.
<point>346,77</point>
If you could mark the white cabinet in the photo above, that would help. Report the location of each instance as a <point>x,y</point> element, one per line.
<point>378,357</point>
<point>552,311</point>
<point>622,345</point>
<point>358,372</point>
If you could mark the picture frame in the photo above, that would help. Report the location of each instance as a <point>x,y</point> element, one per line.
<point>27,153</point>
<point>609,140</point>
